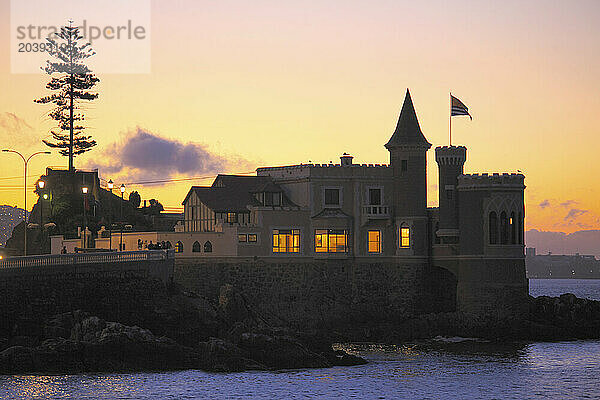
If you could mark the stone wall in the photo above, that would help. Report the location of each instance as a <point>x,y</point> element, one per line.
<point>325,293</point>
<point>125,291</point>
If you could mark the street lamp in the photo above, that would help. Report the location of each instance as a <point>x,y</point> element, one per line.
<point>25,161</point>
<point>41,184</point>
<point>111,186</point>
<point>85,191</point>
<point>122,189</point>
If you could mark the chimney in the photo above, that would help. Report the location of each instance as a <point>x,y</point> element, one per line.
<point>346,159</point>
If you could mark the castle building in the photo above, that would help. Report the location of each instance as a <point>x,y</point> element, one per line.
<point>374,212</point>
<point>349,209</point>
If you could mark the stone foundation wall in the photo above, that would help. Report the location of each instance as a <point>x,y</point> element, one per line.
<point>124,291</point>
<point>325,293</point>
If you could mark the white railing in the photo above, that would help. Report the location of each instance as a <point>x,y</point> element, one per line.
<point>376,211</point>
<point>85,258</point>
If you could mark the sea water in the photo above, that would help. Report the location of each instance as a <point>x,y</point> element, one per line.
<point>453,368</point>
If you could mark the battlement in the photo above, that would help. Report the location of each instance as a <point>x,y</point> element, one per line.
<point>306,170</point>
<point>451,155</point>
<point>302,166</point>
<point>493,181</point>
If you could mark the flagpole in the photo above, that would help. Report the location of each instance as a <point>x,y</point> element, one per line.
<point>450,119</point>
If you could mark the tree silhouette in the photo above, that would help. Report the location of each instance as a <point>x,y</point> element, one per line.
<point>155,207</point>
<point>71,87</point>
<point>135,199</point>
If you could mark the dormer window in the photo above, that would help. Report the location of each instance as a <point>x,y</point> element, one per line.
<point>272,199</point>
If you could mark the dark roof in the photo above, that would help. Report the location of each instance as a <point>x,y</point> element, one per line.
<point>250,183</point>
<point>224,199</point>
<point>235,193</point>
<point>408,132</point>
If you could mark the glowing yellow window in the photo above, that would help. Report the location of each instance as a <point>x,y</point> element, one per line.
<point>404,236</point>
<point>286,240</point>
<point>331,241</point>
<point>374,241</point>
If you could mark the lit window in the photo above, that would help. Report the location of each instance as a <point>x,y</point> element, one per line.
<point>404,236</point>
<point>332,197</point>
<point>231,218</point>
<point>331,241</point>
<point>286,240</point>
<point>242,238</point>
<point>374,242</point>
<point>179,247</point>
<point>252,238</point>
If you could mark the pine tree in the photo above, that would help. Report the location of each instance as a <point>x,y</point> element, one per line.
<point>71,86</point>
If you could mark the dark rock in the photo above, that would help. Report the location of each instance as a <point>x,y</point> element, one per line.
<point>279,352</point>
<point>222,356</point>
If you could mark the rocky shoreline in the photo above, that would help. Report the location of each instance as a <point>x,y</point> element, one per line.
<point>76,342</point>
<point>187,332</point>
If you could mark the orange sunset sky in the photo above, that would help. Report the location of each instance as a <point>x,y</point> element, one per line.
<point>261,83</point>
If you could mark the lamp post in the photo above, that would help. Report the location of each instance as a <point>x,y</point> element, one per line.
<point>111,185</point>
<point>84,190</point>
<point>122,188</point>
<point>41,184</point>
<point>25,161</point>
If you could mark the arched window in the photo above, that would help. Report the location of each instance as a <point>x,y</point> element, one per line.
<point>493,225</point>
<point>503,228</point>
<point>208,247</point>
<point>196,247</point>
<point>179,247</point>
<point>513,228</point>
<point>520,228</point>
<point>169,244</point>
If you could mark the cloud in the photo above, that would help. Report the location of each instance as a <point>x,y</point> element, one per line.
<point>544,204</point>
<point>15,131</point>
<point>143,155</point>
<point>574,213</point>
<point>568,203</point>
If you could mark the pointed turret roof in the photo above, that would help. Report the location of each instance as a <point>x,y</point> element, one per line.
<point>408,132</point>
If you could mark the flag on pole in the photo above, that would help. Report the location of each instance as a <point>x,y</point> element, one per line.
<point>458,108</point>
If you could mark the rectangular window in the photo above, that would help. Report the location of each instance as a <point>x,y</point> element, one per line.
<point>276,199</point>
<point>374,242</point>
<point>252,238</point>
<point>286,240</point>
<point>268,199</point>
<point>331,241</point>
<point>242,237</point>
<point>332,197</point>
<point>231,218</point>
<point>375,197</point>
<point>449,194</point>
<point>404,237</point>
<point>404,165</point>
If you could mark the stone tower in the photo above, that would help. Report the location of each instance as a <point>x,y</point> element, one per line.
<point>451,160</point>
<point>408,160</point>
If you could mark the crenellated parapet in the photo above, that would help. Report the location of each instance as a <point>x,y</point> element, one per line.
<point>451,155</point>
<point>493,181</point>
